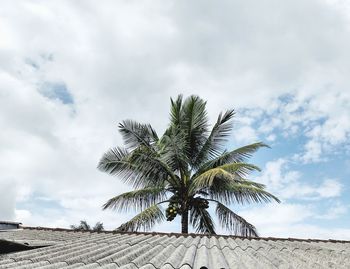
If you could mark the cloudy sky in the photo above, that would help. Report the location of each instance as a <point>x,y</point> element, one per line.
<point>71,70</point>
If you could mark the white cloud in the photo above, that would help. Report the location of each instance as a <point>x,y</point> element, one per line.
<point>313,151</point>
<point>274,176</point>
<point>329,188</point>
<point>22,215</point>
<point>8,199</point>
<point>271,138</point>
<point>290,220</point>
<point>335,211</point>
<point>326,189</point>
<point>283,214</point>
<point>245,135</point>
<point>288,184</point>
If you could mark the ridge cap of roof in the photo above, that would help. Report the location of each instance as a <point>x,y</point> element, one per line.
<point>190,235</point>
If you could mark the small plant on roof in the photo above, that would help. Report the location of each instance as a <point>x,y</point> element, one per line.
<point>187,169</point>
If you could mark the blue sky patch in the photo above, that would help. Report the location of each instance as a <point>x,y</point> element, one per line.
<point>57,91</point>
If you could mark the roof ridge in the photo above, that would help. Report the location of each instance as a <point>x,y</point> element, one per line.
<point>189,235</point>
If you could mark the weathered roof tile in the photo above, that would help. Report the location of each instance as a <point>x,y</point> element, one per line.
<point>89,250</point>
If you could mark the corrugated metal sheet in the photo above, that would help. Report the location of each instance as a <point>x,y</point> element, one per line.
<point>7,225</point>
<point>168,251</point>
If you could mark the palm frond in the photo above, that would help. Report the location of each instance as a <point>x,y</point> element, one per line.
<point>176,112</point>
<point>116,162</point>
<point>201,220</point>
<point>234,223</point>
<point>195,124</point>
<point>240,192</point>
<point>141,168</point>
<point>174,151</point>
<point>240,169</point>
<point>136,134</point>
<point>137,200</point>
<point>144,220</point>
<point>213,145</point>
<point>223,174</point>
<point>239,155</point>
<point>98,227</point>
<point>153,168</point>
<point>83,226</point>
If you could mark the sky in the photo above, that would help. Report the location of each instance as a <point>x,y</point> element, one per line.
<point>70,71</point>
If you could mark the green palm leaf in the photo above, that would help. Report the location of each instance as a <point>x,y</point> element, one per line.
<point>141,168</point>
<point>213,145</point>
<point>144,220</point>
<point>137,200</point>
<point>136,134</point>
<point>174,150</point>
<point>223,173</point>
<point>190,117</point>
<point>240,192</point>
<point>233,222</point>
<point>196,124</point>
<point>234,156</point>
<point>154,170</point>
<point>176,116</point>
<point>116,162</point>
<point>201,220</point>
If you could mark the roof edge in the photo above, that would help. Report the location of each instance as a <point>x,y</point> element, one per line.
<point>191,235</point>
<point>10,222</point>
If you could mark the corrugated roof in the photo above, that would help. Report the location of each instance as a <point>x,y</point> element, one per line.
<point>10,222</point>
<point>8,225</point>
<point>71,249</point>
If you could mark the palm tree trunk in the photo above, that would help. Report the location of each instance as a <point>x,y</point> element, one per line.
<point>184,222</point>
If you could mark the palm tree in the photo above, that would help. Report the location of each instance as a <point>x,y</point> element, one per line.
<point>84,226</point>
<point>186,169</point>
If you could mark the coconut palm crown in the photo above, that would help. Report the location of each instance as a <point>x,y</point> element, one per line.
<point>187,170</point>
